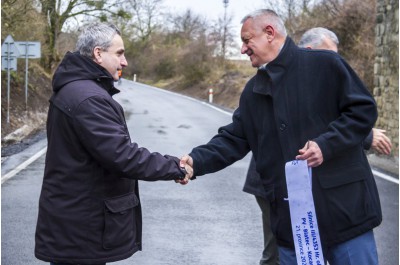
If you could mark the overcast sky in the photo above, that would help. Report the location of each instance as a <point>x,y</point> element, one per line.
<point>212,9</point>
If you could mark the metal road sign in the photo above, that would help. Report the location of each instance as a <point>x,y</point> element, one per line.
<point>8,48</point>
<point>10,51</point>
<point>9,54</point>
<point>8,63</point>
<point>29,49</point>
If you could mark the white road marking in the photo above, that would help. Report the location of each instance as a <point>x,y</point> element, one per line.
<point>22,166</point>
<point>386,177</point>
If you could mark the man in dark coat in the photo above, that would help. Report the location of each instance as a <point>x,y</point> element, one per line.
<point>307,105</point>
<point>89,207</point>
<point>315,38</point>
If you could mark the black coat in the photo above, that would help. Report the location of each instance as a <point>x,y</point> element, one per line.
<point>254,185</point>
<point>304,95</point>
<point>89,207</point>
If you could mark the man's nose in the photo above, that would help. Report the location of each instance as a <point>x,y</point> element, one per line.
<point>244,48</point>
<point>124,62</point>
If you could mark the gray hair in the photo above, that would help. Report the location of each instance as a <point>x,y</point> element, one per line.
<point>273,17</point>
<point>314,37</point>
<point>96,35</point>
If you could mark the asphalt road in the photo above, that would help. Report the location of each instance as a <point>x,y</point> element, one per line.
<point>210,221</point>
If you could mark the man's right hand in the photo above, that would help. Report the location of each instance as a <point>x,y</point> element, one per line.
<point>187,163</point>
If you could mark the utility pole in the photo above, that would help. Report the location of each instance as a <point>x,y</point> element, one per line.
<point>225,2</point>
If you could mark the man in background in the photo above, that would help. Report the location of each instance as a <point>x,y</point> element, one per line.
<point>315,38</point>
<point>119,76</point>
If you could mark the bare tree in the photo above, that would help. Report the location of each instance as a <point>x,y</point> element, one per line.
<point>19,18</point>
<point>222,35</point>
<point>187,33</point>
<point>351,20</point>
<point>57,12</point>
<point>188,25</point>
<point>145,17</point>
<point>290,10</point>
<point>225,29</point>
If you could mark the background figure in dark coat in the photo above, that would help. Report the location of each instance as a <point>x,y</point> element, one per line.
<point>315,38</point>
<point>253,185</point>
<point>307,105</point>
<point>89,207</point>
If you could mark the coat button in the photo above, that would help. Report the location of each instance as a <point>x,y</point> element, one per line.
<point>282,127</point>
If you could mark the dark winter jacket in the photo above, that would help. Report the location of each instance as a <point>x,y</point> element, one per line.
<point>89,207</point>
<point>304,95</point>
<point>253,183</point>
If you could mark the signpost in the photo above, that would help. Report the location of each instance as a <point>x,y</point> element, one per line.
<point>10,51</point>
<point>28,50</point>
<point>9,54</point>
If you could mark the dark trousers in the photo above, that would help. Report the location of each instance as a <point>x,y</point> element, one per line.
<point>270,254</point>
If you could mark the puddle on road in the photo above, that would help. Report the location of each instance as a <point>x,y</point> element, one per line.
<point>184,126</point>
<point>129,113</point>
<point>161,132</point>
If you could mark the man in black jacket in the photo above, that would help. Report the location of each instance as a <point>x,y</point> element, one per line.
<point>307,105</point>
<point>89,207</point>
<point>322,38</point>
<point>315,38</point>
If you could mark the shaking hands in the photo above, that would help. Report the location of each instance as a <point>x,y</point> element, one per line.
<point>186,163</point>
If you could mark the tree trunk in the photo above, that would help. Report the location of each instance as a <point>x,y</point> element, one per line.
<point>50,14</point>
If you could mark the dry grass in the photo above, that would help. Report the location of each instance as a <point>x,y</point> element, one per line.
<point>227,84</point>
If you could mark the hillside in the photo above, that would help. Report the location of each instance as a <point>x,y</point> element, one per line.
<point>227,85</point>
<point>30,119</point>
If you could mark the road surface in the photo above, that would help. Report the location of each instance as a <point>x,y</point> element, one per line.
<point>210,221</point>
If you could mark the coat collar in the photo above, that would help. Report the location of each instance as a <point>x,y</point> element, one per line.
<point>274,71</point>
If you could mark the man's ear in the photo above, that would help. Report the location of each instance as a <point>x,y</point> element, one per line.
<point>97,55</point>
<point>270,31</point>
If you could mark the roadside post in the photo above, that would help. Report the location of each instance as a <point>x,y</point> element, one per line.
<point>9,55</point>
<point>28,49</point>
<point>210,95</point>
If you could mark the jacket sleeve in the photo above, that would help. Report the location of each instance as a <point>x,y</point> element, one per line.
<point>368,141</point>
<point>357,113</point>
<point>103,132</point>
<point>225,148</point>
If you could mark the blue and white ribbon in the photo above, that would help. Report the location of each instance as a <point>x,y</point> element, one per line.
<point>302,214</point>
